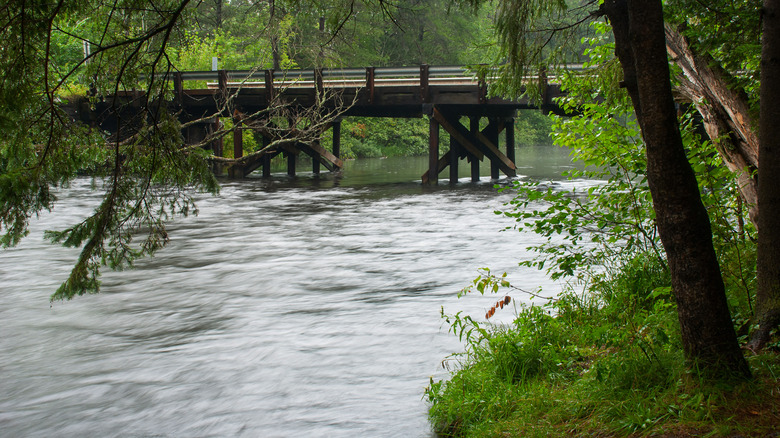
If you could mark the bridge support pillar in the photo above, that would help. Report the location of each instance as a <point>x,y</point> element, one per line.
<point>337,138</point>
<point>290,163</point>
<point>492,135</point>
<point>454,159</point>
<point>216,147</point>
<point>266,159</point>
<point>474,127</point>
<point>433,152</point>
<point>315,161</point>
<point>510,138</point>
<point>238,139</point>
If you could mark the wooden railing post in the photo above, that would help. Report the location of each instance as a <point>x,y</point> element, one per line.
<point>424,76</point>
<point>178,88</point>
<point>222,79</point>
<point>269,85</point>
<point>370,76</point>
<point>319,84</point>
<point>482,87</point>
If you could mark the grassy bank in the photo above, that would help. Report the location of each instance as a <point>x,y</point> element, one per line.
<point>604,363</point>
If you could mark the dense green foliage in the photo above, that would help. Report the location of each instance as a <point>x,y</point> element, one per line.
<point>604,356</point>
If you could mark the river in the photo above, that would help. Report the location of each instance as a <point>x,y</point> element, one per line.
<point>286,308</point>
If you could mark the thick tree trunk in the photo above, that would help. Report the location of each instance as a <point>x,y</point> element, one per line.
<point>726,112</point>
<point>708,336</point>
<point>768,266</point>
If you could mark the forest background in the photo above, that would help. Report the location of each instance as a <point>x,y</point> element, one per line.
<point>635,343</point>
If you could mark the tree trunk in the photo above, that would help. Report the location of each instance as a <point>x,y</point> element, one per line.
<point>726,112</point>
<point>768,264</point>
<point>708,336</point>
<point>218,15</point>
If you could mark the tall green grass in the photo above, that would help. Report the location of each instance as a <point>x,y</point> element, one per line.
<point>604,363</point>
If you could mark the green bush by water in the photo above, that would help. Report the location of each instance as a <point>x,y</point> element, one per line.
<point>605,363</point>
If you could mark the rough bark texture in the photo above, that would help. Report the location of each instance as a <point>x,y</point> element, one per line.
<point>708,336</point>
<point>768,266</point>
<point>726,113</point>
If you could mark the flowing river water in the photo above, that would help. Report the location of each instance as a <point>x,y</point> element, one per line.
<point>286,308</point>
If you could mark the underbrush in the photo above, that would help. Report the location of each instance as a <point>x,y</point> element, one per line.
<point>604,363</point>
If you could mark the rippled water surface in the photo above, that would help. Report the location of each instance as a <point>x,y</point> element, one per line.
<point>286,308</point>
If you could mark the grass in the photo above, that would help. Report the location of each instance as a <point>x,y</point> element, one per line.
<point>607,365</point>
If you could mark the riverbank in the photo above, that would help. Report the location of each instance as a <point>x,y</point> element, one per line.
<point>609,364</point>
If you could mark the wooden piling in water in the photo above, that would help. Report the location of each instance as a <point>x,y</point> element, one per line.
<point>474,126</point>
<point>492,135</point>
<point>510,138</point>
<point>433,151</point>
<point>290,163</point>
<point>454,159</point>
<point>266,159</point>
<point>315,162</point>
<point>337,139</point>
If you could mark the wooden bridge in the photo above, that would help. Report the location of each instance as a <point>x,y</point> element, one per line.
<point>446,95</point>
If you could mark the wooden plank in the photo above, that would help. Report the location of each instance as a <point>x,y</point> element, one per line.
<point>504,163</point>
<point>459,135</point>
<point>330,161</point>
<point>442,164</point>
<point>424,73</point>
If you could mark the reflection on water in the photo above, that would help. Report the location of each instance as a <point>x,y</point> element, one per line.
<point>289,307</point>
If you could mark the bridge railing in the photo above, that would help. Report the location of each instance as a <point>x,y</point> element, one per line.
<point>335,77</point>
<point>422,76</point>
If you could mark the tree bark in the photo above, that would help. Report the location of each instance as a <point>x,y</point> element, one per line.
<point>768,263</point>
<point>726,113</point>
<point>708,336</point>
<point>218,15</point>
